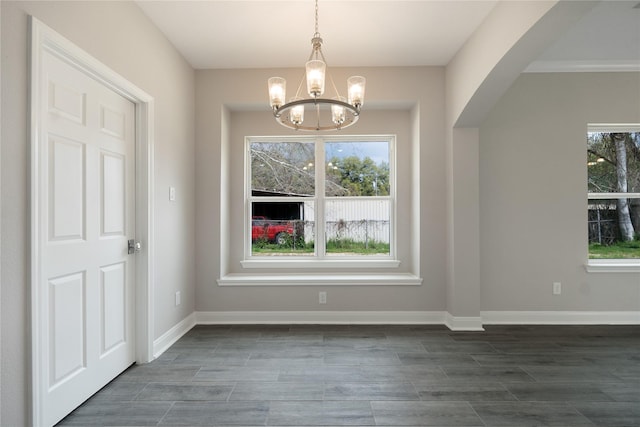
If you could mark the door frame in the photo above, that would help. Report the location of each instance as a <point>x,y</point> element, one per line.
<point>44,39</point>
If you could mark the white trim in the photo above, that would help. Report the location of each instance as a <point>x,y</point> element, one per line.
<point>607,196</point>
<point>613,127</point>
<point>321,317</point>
<point>319,259</point>
<point>392,318</point>
<point>1,364</point>
<point>319,279</point>
<point>582,66</point>
<point>561,317</point>
<point>170,337</point>
<point>44,38</point>
<point>457,323</point>
<point>145,224</point>
<point>37,371</point>
<point>613,266</point>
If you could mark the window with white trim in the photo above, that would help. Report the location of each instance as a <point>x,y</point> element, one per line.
<point>320,198</point>
<point>613,165</point>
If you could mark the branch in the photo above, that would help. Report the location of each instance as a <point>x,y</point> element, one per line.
<point>595,153</point>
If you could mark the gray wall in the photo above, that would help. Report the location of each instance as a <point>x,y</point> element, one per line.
<point>119,35</point>
<point>533,193</point>
<point>226,98</point>
<point>532,181</point>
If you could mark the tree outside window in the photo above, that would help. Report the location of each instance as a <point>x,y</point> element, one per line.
<point>613,164</point>
<point>320,197</point>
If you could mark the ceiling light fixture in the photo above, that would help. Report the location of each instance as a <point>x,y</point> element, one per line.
<point>330,113</point>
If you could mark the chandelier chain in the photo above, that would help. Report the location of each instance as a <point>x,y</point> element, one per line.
<point>330,113</point>
<point>317,31</point>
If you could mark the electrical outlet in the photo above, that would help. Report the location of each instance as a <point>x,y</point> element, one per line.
<point>322,298</point>
<point>172,194</point>
<point>178,298</point>
<point>557,288</point>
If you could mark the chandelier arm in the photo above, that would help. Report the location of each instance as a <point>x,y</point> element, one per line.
<point>316,101</point>
<point>323,58</point>
<point>304,76</point>
<point>333,83</point>
<point>282,116</point>
<point>313,50</point>
<point>335,88</point>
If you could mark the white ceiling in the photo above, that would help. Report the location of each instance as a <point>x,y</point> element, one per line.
<point>607,38</point>
<point>277,33</point>
<point>266,33</point>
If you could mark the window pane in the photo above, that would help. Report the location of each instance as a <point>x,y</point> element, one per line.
<point>357,227</point>
<point>357,169</point>
<point>606,227</point>
<point>613,162</point>
<point>282,228</point>
<point>282,169</point>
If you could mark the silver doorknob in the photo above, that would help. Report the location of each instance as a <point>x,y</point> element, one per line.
<point>133,246</point>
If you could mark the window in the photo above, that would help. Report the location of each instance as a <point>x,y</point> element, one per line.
<point>320,198</point>
<point>613,165</point>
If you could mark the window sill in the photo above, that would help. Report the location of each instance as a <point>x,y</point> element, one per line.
<point>613,266</point>
<point>319,279</point>
<point>272,263</point>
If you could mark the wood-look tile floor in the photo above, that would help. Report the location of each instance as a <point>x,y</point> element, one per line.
<point>315,375</point>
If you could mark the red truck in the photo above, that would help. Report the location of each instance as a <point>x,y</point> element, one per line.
<point>277,231</point>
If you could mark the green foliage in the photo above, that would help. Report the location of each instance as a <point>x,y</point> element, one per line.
<point>371,247</point>
<point>334,246</point>
<point>602,162</point>
<point>265,248</point>
<point>355,176</point>
<point>260,243</point>
<point>292,242</point>
<point>618,250</point>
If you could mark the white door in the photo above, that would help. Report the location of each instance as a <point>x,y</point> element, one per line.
<point>86,143</point>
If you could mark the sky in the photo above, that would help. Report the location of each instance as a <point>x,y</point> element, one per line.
<point>378,151</point>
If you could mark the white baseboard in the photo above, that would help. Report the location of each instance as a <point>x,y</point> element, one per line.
<point>169,338</point>
<point>455,323</point>
<point>320,317</point>
<point>560,317</point>
<point>458,323</point>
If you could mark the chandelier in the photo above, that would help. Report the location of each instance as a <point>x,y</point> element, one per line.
<point>329,113</point>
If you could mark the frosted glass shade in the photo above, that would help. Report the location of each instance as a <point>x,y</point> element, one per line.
<point>277,91</point>
<point>337,112</point>
<point>315,77</point>
<point>297,113</point>
<point>355,90</point>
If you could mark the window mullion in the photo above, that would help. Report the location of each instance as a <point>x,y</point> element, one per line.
<point>595,196</point>
<point>320,244</point>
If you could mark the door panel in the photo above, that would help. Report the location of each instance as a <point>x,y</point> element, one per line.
<point>113,194</point>
<point>66,189</point>
<point>86,143</point>
<point>113,122</point>
<point>113,310</point>
<point>67,299</point>
<point>67,102</point>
